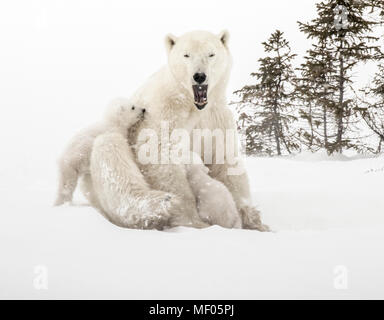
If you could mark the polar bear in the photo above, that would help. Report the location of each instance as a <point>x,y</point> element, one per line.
<point>215,204</point>
<point>189,93</point>
<point>120,190</point>
<point>121,115</point>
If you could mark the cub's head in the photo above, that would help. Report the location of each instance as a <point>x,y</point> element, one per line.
<point>199,61</point>
<point>123,113</point>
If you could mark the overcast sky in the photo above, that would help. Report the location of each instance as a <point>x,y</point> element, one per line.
<point>87,52</point>
<point>130,33</point>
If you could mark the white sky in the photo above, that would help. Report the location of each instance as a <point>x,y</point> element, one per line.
<point>83,53</point>
<point>130,34</point>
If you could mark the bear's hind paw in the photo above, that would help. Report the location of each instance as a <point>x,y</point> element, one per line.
<point>251,219</point>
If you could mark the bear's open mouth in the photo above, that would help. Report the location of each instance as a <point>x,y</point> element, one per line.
<point>200,95</point>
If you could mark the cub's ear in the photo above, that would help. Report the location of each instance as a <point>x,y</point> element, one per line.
<point>170,41</point>
<point>224,37</point>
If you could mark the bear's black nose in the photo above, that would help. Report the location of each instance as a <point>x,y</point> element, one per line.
<point>199,77</point>
<point>143,110</point>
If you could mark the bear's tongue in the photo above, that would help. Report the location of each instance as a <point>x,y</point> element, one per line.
<point>200,95</point>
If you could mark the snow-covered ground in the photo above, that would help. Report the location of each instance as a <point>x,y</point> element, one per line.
<point>328,218</point>
<point>61,62</point>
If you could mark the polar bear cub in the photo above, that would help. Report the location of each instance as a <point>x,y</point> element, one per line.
<point>121,117</point>
<point>121,190</point>
<point>215,204</point>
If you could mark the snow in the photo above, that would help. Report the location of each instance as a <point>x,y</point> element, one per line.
<point>324,213</point>
<point>60,65</point>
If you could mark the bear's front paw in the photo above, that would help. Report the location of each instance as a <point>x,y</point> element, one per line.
<point>251,219</point>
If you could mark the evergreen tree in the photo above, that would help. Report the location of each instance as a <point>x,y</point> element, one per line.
<point>266,107</point>
<point>371,106</point>
<point>342,35</point>
<point>315,96</point>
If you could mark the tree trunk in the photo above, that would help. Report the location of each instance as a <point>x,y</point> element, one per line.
<point>276,129</point>
<point>277,137</point>
<point>380,143</point>
<point>340,113</point>
<point>325,129</point>
<point>311,124</point>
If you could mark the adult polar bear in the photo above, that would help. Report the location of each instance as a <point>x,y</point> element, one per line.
<point>188,93</point>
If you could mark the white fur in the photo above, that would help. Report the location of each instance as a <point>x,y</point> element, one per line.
<point>75,161</point>
<point>215,204</point>
<point>121,191</point>
<point>169,94</point>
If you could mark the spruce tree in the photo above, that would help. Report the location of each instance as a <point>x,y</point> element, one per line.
<point>266,107</point>
<point>342,32</point>
<point>315,96</point>
<point>371,107</point>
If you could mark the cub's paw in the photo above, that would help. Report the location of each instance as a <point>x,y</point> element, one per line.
<point>164,202</point>
<point>156,221</point>
<point>61,200</point>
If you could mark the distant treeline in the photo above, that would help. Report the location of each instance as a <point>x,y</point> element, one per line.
<point>317,106</point>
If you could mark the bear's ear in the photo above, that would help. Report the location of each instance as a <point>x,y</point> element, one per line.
<point>170,41</point>
<point>224,37</point>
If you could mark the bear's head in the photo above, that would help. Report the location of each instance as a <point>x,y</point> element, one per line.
<point>123,113</point>
<point>199,61</point>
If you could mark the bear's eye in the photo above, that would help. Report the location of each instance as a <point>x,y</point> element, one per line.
<point>211,55</point>
<point>186,56</point>
<point>133,108</point>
